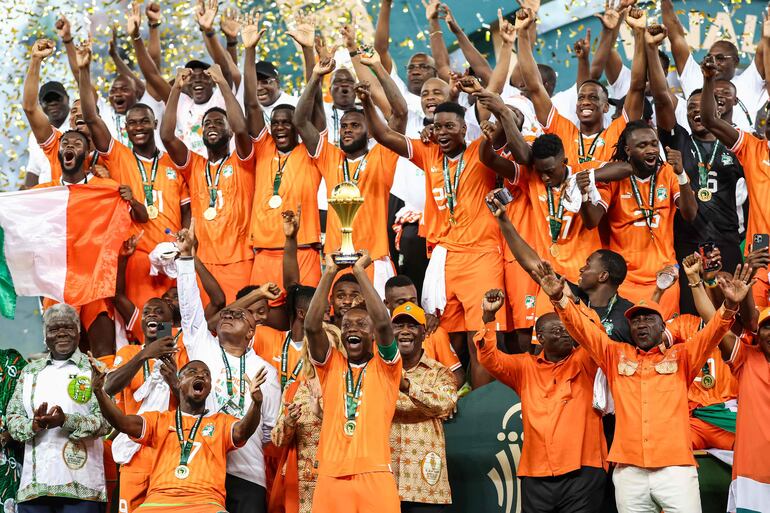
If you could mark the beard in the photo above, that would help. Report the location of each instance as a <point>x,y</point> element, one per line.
<point>640,165</point>
<point>357,145</point>
<point>220,143</point>
<point>77,166</point>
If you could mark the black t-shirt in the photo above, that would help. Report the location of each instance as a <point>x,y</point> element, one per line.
<point>717,219</point>
<point>615,324</point>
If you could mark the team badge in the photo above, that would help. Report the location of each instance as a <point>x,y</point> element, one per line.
<point>529,301</point>
<point>227,171</point>
<point>170,173</point>
<point>661,193</point>
<point>727,160</point>
<point>208,430</point>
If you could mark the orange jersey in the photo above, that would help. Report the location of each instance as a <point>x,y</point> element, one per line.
<point>754,155</point>
<point>475,229</point>
<point>51,150</point>
<point>599,147</point>
<point>368,449</point>
<point>207,463</point>
<point>575,242</point>
<point>224,239</point>
<point>646,249</point>
<point>299,186</point>
<point>269,345</point>
<point>438,347</point>
<point>376,170</point>
<point>169,191</point>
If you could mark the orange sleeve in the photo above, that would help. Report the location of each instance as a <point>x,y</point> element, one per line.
<point>111,159</point>
<point>184,193</point>
<point>683,327</point>
<point>743,148</point>
<point>334,359</point>
<point>51,147</point>
<point>615,129</point>
<point>590,337</point>
<point>189,165</point>
<point>418,152</point>
<point>738,358</point>
<point>445,354</point>
<point>561,126</point>
<point>149,429</point>
<point>674,186</point>
<point>227,423</point>
<point>700,345</point>
<point>506,368</point>
<point>605,191</point>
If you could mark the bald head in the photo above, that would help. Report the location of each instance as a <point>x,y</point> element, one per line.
<point>433,92</point>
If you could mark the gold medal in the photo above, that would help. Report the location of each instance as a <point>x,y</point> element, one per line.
<point>452,220</point>
<point>704,194</point>
<point>708,381</point>
<point>554,250</point>
<point>275,201</point>
<point>349,428</point>
<point>182,472</point>
<point>152,211</point>
<point>210,213</point>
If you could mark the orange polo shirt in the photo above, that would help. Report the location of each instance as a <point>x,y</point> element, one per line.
<point>437,346</point>
<point>562,430</point>
<point>599,147</point>
<point>650,388</point>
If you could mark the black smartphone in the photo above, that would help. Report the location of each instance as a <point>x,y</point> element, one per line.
<point>502,195</point>
<point>164,330</point>
<point>705,251</point>
<point>761,241</point>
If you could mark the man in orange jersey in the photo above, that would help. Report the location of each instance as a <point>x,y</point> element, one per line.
<point>467,258</point>
<point>399,290</point>
<point>286,178</point>
<point>149,173</point>
<point>371,169</point>
<point>138,383</point>
<point>655,467</point>
<point>591,140</point>
<point>359,393</point>
<point>564,462</point>
<point>753,153</point>
<point>221,186</point>
<point>640,212</point>
<point>190,443</point>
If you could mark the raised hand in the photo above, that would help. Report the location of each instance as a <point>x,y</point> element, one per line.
<point>582,47</point>
<point>185,240</point>
<point>674,157</point>
<point>499,211</point>
<point>655,34</point>
<point>549,282</point>
<point>255,384</point>
<point>64,29</point>
<point>488,130</point>
<point>206,13</point>
<point>304,30</point>
<point>98,373</point>
<point>692,265</point>
<point>163,347</point>
<point>324,67</point>
<point>129,245</point>
<point>42,49</point>
<point>583,179</point>
<point>364,261</point>
<point>250,31</point>
<point>470,84</point>
<point>291,223</point>
<point>506,29</point>
<point>370,58</point>
<point>322,49</point>
<point>709,66</point>
<point>152,11</point>
<point>215,73</point>
<point>168,370</point>
<point>445,13</point>
<point>532,5</point>
<point>431,324</point>
<point>758,259</point>
<point>715,259</point>
<point>133,19</point>
<point>492,302</point>
<point>230,23</point>
<point>348,33</point>
<point>637,18</point>
<point>183,76</point>
<point>665,284</point>
<point>83,54</point>
<point>270,291</point>
<point>524,18</point>
<point>491,101</point>
<point>612,15</point>
<point>431,9</point>
<point>363,91</point>
<point>738,287</point>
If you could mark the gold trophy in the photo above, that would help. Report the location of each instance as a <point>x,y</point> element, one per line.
<point>346,199</point>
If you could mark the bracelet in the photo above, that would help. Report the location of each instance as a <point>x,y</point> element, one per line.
<point>695,285</point>
<point>154,25</point>
<point>230,44</point>
<point>354,53</point>
<point>210,34</point>
<point>186,257</point>
<point>66,41</point>
<point>137,37</point>
<point>682,178</point>
<point>710,283</point>
<point>436,32</point>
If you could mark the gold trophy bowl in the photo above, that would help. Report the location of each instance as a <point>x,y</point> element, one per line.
<point>346,199</point>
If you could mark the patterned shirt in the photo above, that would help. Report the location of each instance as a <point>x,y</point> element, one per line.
<point>66,461</point>
<point>11,364</point>
<point>418,456</point>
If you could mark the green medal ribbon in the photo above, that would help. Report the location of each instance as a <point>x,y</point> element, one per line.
<point>360,169</point>
<point>555,214</point>
<point>450,189</point>
<point>353,394</point>
<point>186,445</point>
<point>285,378</point>
<point>229,374</point>
<point>605,321</point>
<point>648,213</point>
<point>279,174</point>
<point>215,187</point>
<point>582,157</point>
<point>148,185</point>
<point>704,168</point>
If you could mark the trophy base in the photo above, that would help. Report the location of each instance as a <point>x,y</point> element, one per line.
<point>346,260</point>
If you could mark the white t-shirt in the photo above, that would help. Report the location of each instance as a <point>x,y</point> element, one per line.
<point>189,116</point>
<point>623,83</point>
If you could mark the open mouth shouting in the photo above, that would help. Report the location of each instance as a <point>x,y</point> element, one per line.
<point>69,158</point>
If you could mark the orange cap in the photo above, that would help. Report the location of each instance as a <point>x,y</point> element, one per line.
<point>764,315</point>
<point>644,305</point>
<point>409,309</point>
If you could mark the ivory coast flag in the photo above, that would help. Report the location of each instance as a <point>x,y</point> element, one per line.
<point>61,242</point>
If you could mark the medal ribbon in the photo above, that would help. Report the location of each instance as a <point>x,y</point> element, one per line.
<point>186,445</point>
<point>360,169</point>
<point>648,213</point>
<point>555,214</point>
<point>285,378</point>
<point>229,374</point>
<point>582,157</point>
<point>610,305</point>
<point>149,185</point>
<point>335,125</point>
<point>704,168</point>
<point>279,174</point>
<point>213,189</point>
<point>353,394</point>
<point>450,189</point>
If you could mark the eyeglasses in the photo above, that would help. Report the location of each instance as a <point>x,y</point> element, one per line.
<point>421,67</point>
<point>720,57</point>
<point>232,314</point>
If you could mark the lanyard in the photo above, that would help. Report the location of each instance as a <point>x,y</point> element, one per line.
<point>186,445</point>
<point>610,306</point>
<point>704,168</point>
<point>229,374</point>
<point>279,173</point>
<point>213,188</point>
<point>336,125</point>
<point>148,185</point>
<point>648,213</point>
<point>450,189</point>
<point>745,111</point>
<point>353,394</point>
<point>555,214</point>
<point>583,157</point>
<point>94,160</point>
<point>360,169</point>
<point>285,378</point>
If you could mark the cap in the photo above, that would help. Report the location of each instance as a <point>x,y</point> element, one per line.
<point>196,64</point>
<point>764,315</point>
<point>409,309</point>
<point>644,305</point>
<point>267,69</point>
<point>52,87</point>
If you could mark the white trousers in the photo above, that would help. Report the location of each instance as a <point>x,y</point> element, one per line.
<point>642,490</point>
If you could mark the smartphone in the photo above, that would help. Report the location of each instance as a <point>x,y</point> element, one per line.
<point>705,251</point>
<point>164,330</point>
<point>761,241</point>
<point>502,195</point>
